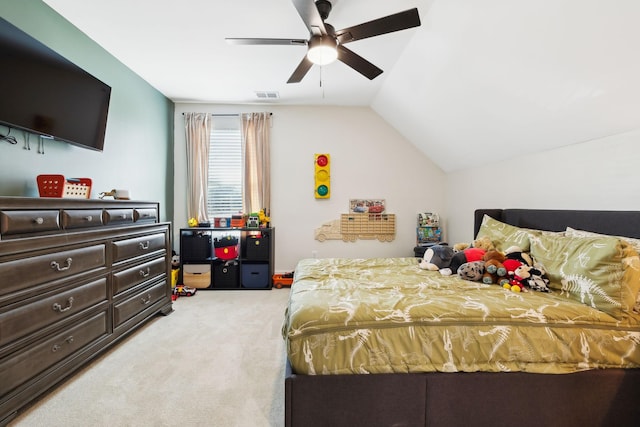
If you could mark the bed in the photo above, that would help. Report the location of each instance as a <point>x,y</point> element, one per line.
<point>380,342</point>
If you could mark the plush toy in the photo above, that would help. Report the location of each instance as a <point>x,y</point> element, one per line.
<point>516,282</point>
<point>445,259</point>
<point>472,271</point>
<point>494,269</point>
<point>462,257</point>
<point>538,279</point>
<point>481,243</point>
<point>437,257</point>
<point>516,253</point>
<point>515,257</point>
<point>175,260</point>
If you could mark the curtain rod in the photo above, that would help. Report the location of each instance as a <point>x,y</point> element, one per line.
<point>230,115</point>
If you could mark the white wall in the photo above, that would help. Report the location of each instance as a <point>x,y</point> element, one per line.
<point>602,174</point>
<point>369,160</point>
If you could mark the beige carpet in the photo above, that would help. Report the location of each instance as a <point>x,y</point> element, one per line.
<point>217,360</point>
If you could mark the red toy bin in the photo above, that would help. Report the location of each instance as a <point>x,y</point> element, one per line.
<point>58,186</point>
<point>226,248</point>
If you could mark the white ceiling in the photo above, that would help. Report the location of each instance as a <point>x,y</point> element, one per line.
<point>479,81</point>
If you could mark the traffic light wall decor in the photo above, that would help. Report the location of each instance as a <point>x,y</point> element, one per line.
<point>322,176</point>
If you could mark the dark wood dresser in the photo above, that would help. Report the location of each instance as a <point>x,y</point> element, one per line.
<point>75,277</point>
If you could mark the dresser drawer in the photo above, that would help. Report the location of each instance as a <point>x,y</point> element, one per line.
<point>130,277</point>
<point>20,222</point>
<point>145,215</point>
<point>81,218</point>
<point>36,315</point>
<point>21,274</point>
<point>20,367</point>
<point>137,303</point>
<point>118,216</point>
<point>131,248</point>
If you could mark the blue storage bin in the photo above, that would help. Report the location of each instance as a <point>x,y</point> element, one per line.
<point>255,275</point>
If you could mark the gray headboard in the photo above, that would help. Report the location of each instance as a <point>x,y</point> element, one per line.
<point>617,223</point>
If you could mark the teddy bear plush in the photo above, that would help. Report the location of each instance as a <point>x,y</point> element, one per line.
<point>481,243</point>
<point>494,269</point>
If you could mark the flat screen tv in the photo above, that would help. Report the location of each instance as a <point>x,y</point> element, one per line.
<point>45,94</point>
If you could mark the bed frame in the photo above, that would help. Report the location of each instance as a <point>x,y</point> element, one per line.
<point>590,398</point>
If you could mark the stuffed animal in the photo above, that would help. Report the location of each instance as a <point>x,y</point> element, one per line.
<point>462,257</point>
<point>515,257</point>
<point>516,253</point>
<point>516,282</point>
<point>175,260</point>
<point>472,271</point>
<point>538,279</point>
<point>494,269</point>
<point>481,242</point>
<point>437,257</point>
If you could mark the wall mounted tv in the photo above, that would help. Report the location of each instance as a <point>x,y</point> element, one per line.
<point>45,94</point>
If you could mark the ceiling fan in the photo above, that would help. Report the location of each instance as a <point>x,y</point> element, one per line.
<point>325,44</point>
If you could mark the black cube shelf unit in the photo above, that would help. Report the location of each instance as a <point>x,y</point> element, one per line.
<point>226,258</point>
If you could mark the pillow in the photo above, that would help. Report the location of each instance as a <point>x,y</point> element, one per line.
<point>634,243</point>
<point>572,232</point>
<point>503,235</point>
<point>600,271</point>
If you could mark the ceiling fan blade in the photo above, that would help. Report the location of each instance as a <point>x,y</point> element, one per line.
<point>388,24</point>
<point>358,63</point>
<point>308,11</point>
<point>301,71</point>
<point>295,42</point>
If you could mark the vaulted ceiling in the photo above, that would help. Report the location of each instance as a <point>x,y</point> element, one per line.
<point>478,81</point>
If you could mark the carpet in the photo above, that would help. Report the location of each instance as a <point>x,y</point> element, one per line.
<point>217,360</point>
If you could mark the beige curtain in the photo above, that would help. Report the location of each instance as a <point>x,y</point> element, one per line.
<point>256,129</point>
<point>198,134</point>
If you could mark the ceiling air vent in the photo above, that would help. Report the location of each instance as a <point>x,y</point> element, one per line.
<point>267,95</point>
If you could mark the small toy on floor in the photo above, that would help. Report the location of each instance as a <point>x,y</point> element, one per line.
<point>284,279</point>
<point>182,291</point>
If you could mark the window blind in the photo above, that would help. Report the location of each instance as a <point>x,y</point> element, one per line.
<point>225,173</point>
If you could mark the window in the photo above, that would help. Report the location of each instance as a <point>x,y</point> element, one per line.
<point>225,185</point>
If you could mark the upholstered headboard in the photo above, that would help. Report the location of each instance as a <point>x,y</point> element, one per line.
<point>617,223</point>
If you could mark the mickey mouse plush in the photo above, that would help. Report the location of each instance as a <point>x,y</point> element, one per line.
<point>446,260</point>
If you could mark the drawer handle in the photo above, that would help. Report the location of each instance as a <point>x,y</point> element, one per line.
<point>144,245</point>
<point>147,300</point>
<point>88,218</point>
<point>57,307</point>
<point>145,273</point>
<point>57,347</point>
<point>39,220</point>
<point>123,216</point>
<point>67,265</point>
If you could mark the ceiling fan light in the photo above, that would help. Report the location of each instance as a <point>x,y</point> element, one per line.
<point>322,50</point>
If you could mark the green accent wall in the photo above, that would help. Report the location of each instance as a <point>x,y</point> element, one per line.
<point>138,151</point>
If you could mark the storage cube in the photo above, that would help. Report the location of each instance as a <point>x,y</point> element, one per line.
<point>258,247</point>
<point>195,248</point>
<point>225,274</point>
<point>196,275</point>
<point>226,248</point>
<point>255,275</point>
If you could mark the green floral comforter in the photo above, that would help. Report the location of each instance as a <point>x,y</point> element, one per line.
<point>356,316</point>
